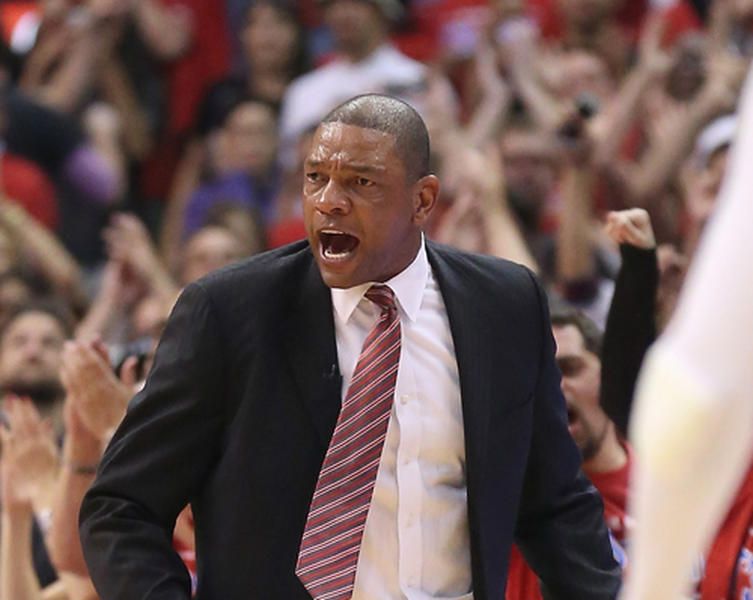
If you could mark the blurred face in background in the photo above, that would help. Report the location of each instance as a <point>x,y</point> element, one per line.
<point>688,70</point>
<point>355,24</point>
<point>249,139</point>
<point>586,14</point>
<point>209,249</point>
<point>701,198</point>
<point>30,354</point>
<point>585,74</point>
<point>270,38</point>
<point>530,169</point>
<point>581,373</point>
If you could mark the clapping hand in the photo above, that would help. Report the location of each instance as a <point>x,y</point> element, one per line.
<point>95,393</point>
<point>29,456</point>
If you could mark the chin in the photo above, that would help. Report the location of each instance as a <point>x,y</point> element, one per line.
<point>338,280</point>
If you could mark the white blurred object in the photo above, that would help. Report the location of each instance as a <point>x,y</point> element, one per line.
<point>717,134</point>
<point>24,34</point>
<point>694,406</point>
<point>662,4</point>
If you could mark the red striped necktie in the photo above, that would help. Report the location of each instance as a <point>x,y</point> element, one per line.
<point>332,538</point>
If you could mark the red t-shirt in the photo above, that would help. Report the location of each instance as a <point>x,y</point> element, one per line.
<point>729,562</point>
<point>26,184</point>
<point>522,583</point>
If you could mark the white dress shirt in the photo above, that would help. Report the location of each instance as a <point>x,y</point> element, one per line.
<point>416,541</point>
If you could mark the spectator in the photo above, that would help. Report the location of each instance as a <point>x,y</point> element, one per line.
<point>210,248</point>
<point>273,44</point>
<point>27,473</point>
<point>31,344</point>
<point>606,456</point>
<point>365,62</point>
<point>246,161</point>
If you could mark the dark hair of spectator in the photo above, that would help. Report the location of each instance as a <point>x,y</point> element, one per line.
<point>53,308</point>
<point>589,331</point>
<point>36,285</point>
<point>287,10</point>
<point>394,117</point>
<point>220,102</point>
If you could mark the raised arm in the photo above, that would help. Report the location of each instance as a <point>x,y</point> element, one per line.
<point>631,323</point>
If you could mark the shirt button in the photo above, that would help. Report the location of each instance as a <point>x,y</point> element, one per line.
<point>404,399</point>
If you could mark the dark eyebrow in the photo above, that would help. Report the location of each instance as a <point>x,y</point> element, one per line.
<point>363,168</point>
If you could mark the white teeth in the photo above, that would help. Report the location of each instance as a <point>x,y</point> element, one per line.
<point>335,255</point>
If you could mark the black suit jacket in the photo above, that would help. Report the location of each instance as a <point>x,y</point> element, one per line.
<point>237,414</point>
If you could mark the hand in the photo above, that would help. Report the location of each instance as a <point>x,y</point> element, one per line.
<point>93,390</point>
<point>120,287</point>
<point>29,455</point>
<point>742,10</point>
<point>632,227</point>
<point>725,75</point>
<point>128,243</point>
<point>490,80</point>
<point>105,9</point>
<point>654,59</point>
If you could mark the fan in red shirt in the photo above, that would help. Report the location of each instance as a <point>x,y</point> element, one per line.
<point>606,457</point>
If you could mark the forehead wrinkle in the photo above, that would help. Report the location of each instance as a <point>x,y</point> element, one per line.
<point>368,150</point>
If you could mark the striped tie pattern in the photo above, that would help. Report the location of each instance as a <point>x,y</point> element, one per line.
<point>332,538</point>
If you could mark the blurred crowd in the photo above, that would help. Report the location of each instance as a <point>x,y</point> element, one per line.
<point>145,143</point>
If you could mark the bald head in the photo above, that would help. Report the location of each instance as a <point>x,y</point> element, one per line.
<point>394,117</point>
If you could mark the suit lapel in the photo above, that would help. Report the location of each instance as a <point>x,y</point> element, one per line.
<point>474,355</point>
<point>312,350</point>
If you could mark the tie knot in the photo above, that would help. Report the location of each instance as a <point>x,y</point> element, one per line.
<point>383,296</point>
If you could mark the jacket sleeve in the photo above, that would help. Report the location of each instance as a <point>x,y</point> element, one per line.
<point>630,330</point>
<point>560,528</point>
<point>156,462</point>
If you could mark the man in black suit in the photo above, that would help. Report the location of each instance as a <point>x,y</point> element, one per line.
<point>238,414</point>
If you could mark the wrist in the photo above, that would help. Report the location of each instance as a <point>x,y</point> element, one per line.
<point>79,467</point>
<point>84,451</point>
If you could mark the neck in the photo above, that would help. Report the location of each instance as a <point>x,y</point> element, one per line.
<point>610,457</point>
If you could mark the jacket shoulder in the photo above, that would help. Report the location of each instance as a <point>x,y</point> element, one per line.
<point>262,281</point>
<point>484,269</point>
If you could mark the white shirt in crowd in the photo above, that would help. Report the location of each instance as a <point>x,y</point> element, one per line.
<point>310,97</point>
<point>416,541</point>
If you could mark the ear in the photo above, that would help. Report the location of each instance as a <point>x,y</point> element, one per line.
<point>425,195</point>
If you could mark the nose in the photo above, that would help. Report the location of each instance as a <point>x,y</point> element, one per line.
<point>333,199</point>
<point>32,350</point>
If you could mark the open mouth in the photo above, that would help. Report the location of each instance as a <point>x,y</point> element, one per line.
<point>337,245</point>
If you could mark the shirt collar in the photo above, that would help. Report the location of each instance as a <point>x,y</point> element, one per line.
<point>408,286</point>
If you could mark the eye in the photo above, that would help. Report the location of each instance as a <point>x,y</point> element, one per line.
<point>364,182</point>
<point>313,176</point>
